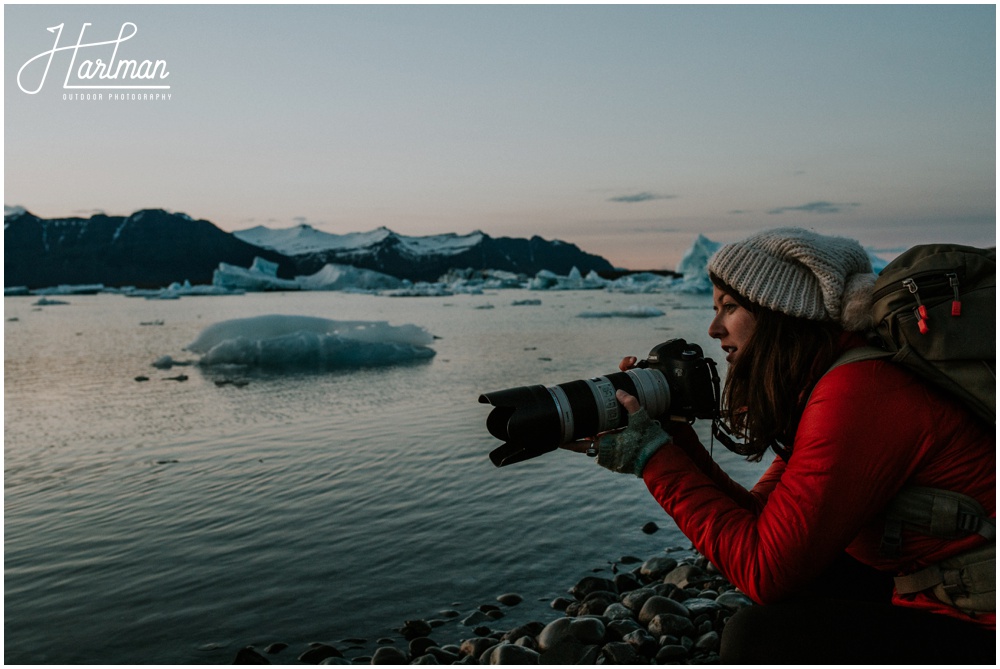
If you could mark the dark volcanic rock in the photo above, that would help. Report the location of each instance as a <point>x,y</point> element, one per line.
<point>319,652</point>
<point>670,624</point>
<point>389,655</point>
<point>655,568</point>
<point>656,605</point>
<point>660,623</point>
<point>510,599</point>
<point>685,575</point>
<point>590,584</point>
<point>415,628</point>
<point>511,654</point>
<point>249,655</point>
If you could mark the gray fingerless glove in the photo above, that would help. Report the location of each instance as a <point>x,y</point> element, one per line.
<point>628,451</point>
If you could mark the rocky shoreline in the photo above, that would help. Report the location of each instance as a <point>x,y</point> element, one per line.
<point>667,609</point>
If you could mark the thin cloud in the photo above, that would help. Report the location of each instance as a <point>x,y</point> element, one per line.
<point>820,207</point>
<point>645,196</point>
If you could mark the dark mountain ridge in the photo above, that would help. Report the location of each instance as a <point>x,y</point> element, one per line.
<point>521,256</point>
<point>153,248</point>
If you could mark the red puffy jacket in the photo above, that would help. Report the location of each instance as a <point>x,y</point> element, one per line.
<point>868,429</point>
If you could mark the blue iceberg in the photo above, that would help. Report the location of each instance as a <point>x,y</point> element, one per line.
<point>307,342</point>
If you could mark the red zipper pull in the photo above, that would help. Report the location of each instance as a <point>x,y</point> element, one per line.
<point>956,304</point>
<point>920,311</point>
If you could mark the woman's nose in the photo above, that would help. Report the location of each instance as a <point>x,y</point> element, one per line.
<point>715,329</point>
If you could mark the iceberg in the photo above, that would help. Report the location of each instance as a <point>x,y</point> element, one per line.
<point>347,278</point>
<point>642,282</point>
<point>175,291</point>
<point>62,289</point>
<point>422,289</point>
<point>307,342</point>
<point>693,266</point>
<point>546,280</point>
<point>261,276</point>
<point>635,311</point>
<point>471,280</point>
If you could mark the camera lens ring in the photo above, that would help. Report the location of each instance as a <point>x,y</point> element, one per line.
<point>608,413</point>
<point>653,391</point>
<point>565,411</point>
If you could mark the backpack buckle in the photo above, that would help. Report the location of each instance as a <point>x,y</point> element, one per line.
<point>968,522</point>
<point>951,583</point>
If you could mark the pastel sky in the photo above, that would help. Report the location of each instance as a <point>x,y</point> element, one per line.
<point>624,130</point>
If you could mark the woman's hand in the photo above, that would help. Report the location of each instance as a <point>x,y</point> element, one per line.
<point>630,402</point>
<point>590,445</point>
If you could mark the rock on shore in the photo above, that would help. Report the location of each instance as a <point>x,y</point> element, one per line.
<point>665,610</point>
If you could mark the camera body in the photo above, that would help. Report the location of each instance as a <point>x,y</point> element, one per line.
<point>675,381</point>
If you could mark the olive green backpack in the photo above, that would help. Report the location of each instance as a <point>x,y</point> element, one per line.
<point>934,313</point>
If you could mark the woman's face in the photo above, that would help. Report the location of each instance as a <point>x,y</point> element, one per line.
<point>732,324</point>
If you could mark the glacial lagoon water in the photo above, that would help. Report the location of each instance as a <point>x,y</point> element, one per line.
<point>177,521</point>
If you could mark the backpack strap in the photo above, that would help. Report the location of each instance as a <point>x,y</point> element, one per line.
<point>930,511</point>
<point>861,353</point>
<point>944,514</point>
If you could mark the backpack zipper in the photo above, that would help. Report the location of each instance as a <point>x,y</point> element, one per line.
<point>934,282</point>
<point>920,311</point>
<point>925,279</point>
<point>956,304</point>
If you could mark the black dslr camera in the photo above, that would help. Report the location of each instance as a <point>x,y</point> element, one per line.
<point>675,381</point>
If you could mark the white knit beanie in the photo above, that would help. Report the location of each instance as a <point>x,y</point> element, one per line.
<point>801,273</point>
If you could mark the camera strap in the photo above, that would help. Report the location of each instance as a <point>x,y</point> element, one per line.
<point>721,432</point>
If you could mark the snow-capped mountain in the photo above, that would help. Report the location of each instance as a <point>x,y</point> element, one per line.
<point>152,248</point>
<point>305,239</point>
<point>421,258</point>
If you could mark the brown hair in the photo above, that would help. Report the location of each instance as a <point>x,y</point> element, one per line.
<point>768,385</point>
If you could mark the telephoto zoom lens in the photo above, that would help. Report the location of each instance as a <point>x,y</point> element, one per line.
<point>538,419</point>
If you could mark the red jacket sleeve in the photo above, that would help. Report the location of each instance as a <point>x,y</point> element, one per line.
<point>684,437</point>
<point>848,460</point>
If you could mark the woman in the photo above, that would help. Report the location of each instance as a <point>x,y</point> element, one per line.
<point>807,541</point>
